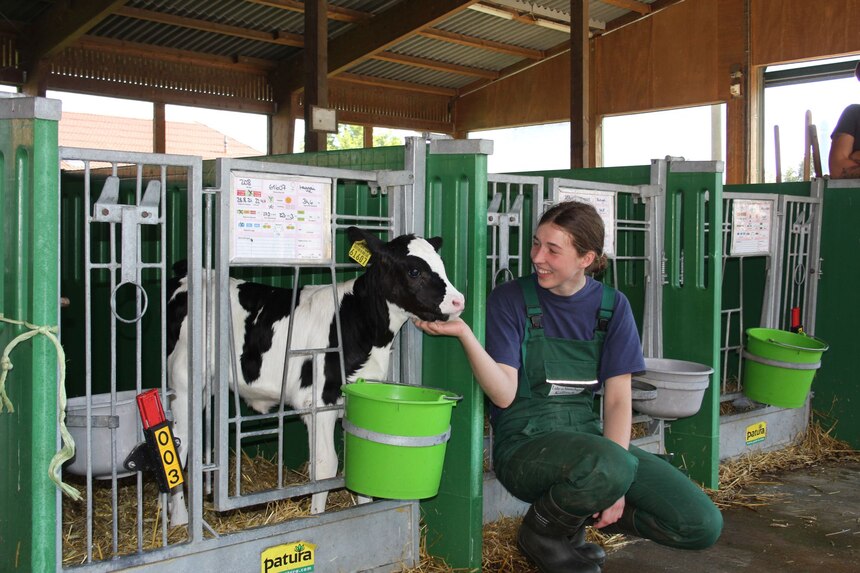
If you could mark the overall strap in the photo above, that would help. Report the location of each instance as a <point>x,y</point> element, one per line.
<point>534,314</point>
<point>607,307</point>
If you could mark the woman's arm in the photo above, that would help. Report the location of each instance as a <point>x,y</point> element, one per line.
<point>843,160</point>
<point>617,423</point>
<point>618,409</point>
<point>499,381</point>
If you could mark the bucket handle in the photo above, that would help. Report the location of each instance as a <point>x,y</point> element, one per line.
<point>447,397</point>
<point>793,347</point>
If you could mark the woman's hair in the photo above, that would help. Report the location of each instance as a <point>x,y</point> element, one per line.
<point>585,228</point>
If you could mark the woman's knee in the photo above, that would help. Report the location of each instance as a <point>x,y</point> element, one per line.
<point>704,531</point>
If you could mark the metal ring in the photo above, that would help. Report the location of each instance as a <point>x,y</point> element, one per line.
<point>780,364</point>
<point>113,303</point>
<point>391,440</point>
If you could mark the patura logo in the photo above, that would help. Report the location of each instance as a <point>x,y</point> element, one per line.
<point>290,558</point>
<point>756,433</point>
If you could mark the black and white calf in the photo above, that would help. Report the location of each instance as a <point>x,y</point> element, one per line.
<point>405,278</point>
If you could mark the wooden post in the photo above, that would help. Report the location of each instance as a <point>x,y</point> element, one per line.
<point>316,68</point>
<point>368,136</point>
<point>159,128</point>
<point>579,84</point>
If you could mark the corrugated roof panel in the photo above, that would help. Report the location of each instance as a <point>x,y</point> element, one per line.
<point>488,27</point>
<point>168,36</point>
<point>229,12</point>
<point>393,71</point>
<point>454,53</point>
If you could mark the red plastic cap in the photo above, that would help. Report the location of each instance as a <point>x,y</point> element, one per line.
<point>151,412</point>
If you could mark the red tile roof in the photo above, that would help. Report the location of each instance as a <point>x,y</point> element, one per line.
<point>128,134</point>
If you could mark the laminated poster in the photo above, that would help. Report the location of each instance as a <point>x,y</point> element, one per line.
<point>604,203</point>
<point>751,224</point>
<point>279,219</point>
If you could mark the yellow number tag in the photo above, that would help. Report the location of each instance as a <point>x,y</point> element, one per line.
<point>168,457</point>
<point>360,253</point>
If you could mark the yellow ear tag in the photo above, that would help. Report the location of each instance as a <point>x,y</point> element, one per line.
<point>360,253</point>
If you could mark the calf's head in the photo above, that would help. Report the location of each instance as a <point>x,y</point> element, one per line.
<point>409,273</point>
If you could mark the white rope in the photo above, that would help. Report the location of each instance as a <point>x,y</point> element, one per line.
<point>67,452</point>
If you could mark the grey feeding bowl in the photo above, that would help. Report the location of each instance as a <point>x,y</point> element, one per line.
<point>680,387</point>
<point>120,427</point>
<point>643,390</point>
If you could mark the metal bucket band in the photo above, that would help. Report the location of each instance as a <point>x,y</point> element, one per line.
<point>780,364</point>
<point>392,440</point>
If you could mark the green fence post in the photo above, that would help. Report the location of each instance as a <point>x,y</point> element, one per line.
<point>691,304</point>
<point>837,394</point>
<point>29,203</point>
<point>457,211</point>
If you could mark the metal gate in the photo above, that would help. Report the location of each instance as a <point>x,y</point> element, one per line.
<point>135,215</point>
<point>515,206</point>
<point>770,267</point>
<point>777,238</point>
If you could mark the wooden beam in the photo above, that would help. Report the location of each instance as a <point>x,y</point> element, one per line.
<point>273,37</point>
<point>157,94</point>
<point>632,5</point>
<point>159,128</point>
<point>473,42</point>
<point>64,23</point>
<point>371,37</point>
<point>98,44</point>
<point>334,12</point>
<point>396,84</point>
<point>579,85</point>
<point>315,66</point>
<point>435,65</point>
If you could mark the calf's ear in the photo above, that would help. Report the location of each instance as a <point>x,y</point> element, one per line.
<point>372,241</point>
<point>435,242</point>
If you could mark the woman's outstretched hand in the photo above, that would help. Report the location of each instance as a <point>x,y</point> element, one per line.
<point>454,327</point>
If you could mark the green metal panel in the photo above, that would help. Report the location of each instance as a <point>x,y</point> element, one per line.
<point>691,311</point>
<point>837,393</point>
<point>457,211</point>
<point>29,208</point>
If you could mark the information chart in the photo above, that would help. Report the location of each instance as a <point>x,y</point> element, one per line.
<point>279,219</point>
<point>751,224</point>
<point>604,203</point>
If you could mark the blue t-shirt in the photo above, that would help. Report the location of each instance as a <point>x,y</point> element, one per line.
<point>849,123</point>
<point>573,317</point>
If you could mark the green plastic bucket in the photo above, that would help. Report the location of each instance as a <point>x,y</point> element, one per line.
<point>779,366</point>
<point>395,437</point>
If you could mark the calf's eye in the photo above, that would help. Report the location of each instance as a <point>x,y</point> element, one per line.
<point>414,273</point>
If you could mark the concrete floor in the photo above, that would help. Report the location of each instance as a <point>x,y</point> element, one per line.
<point>812,526</point>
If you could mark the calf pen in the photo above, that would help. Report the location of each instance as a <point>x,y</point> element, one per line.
<point>119,277</point>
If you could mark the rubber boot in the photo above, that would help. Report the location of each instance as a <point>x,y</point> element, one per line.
<point>591,551</point>
<point>545,539</point>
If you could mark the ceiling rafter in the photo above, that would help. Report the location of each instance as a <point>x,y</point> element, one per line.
<point>368,38</point>
<point>241,63</point>
<point>396,84</point>
<point>435,65</point>
<point>62,24</point>
<point>634,5</point>
<point>474,42</point>
<point>631,17</point>
<point>333,12</point>
<point>274,37</point>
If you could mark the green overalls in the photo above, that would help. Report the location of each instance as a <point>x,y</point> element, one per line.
<point>551,437</point>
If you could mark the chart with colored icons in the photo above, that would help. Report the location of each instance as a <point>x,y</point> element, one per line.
<point>279,219</point>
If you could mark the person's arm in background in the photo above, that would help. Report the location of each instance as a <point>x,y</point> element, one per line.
<point>844,162</point>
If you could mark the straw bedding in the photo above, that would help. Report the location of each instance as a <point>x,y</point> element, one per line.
<point>500,553</point>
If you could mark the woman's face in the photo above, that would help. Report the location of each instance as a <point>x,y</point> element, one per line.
<point>560,267</point>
